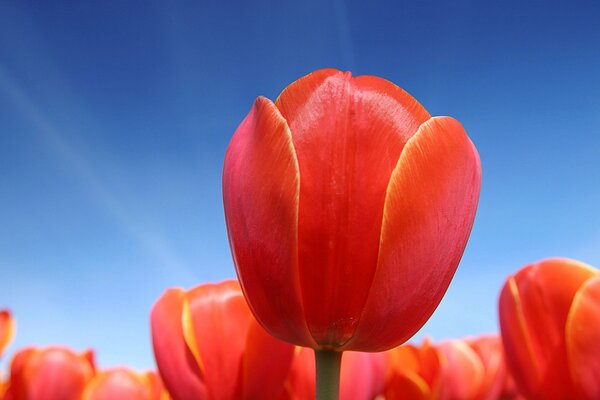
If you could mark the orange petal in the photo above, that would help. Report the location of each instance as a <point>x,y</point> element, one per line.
<point>348,134</point>
<point>300,384</point>
<point>52,373</point>
<point>533,311</point>
<point>260,197</point>
<point>178,369</point>
<point>216,321</point>
<point>583,339</point>
<point>7,329</point>
<point>491,353</point>
<point>429,210</point>
<point>267,362</point>
<point>463,371</point>
<point>119,384</point>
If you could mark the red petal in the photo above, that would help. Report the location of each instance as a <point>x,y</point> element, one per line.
<point>491,353</point>
<point>215,323</point>
<point>118,384</point>
<point>7,329</point>
<point>176,364</point>
<point>583,339</point>
<point>267,362</point>
<point>260,196</point>
<point>533,313</point>
<point>49,374</point>
<point>362,375</point>
<point>348,134</point>
<point>463,371</point>
<point>429,210</point>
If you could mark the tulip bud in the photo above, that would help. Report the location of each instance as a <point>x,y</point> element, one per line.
<point>208,345</point>
<point>348,208</point>
<point>550,323</point>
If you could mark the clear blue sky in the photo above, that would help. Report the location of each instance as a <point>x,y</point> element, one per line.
<point>114,118</point>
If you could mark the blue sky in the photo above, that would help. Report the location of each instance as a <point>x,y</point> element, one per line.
<point>114,119</point>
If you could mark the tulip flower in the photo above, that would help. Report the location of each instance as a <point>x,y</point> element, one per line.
<point>208,345</point>
<point>362,376</point>
<point>414,373</point>
<point>52,373</point>
<point>550,323</point>
<point>7,329</point>
<point>348,208</point>
<point>124,384</point>
<point>474,369</point>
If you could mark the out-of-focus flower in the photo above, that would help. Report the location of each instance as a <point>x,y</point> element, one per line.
<point>414,373</point>
<point>52,373</point>
<point>362,376</point>
<point>7,329</point>
<point>458,369</point>
<point>207,345</point>
<point>124,384</point>
<point>348,208</point>
<point>474,369</point>
<point>550,323</point>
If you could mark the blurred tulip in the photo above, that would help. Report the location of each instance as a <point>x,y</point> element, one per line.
<point>550,323</point>
<point>207,345</point>
<point>52,373</point>
<point>474,369</point>
<point>124,384</point>
<point>414,373</point>
<point>348,208</point>
<point>7,329</point>
<point>362,376</point>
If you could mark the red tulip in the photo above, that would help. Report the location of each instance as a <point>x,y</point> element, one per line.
<point>124,384</point>
<point>550,322</point>
<point>7,329</point>
<point>348,208</point>
<point>52,373</point>
<point>362,376</point>
<point>415,373</point>
<point>474,369</point>
<point>208,346</point>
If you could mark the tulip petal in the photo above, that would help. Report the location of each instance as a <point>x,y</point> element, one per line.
<point>260,196</point>
<point>49,374</point>
<point>214,319</point>
<point>118,384</point>
<point>348,134</point>
<point>583,339</point>
<point>429,210</point>
<point>267,362</point>
<point>463,371</point>
<point>534,305</point>
<point>362,375</point>
<point>491,353</point>
<point>7,329</point>
<point>177,366</point>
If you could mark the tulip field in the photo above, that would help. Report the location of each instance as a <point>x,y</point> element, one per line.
<point>348,208</point>
<point>315,200</point>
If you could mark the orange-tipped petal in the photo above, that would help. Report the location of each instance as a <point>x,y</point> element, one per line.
<point>49,374</point>
<point>215,321</point>
<point>534,305</point>
<point>120,384</point>
<point>583,339</point>
<point>348,134</point>
<point>260,195</point>
<point>7,329</point>
<point>491,353</point>
<point>429,210</point>
<point>463,371</point>
<point>267,362</point>
<point>180,373</point>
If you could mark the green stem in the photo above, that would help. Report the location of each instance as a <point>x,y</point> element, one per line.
<point>328,364</point>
